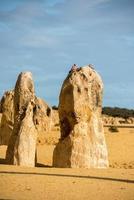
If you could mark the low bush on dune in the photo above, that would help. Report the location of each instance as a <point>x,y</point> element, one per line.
<point>118,112</point>
<point>113,129</point>
<point>55,107</point>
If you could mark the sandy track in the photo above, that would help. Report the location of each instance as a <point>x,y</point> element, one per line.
<point>66,184</point>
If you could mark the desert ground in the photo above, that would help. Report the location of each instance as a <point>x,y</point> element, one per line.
<point>46,182</point>
<point>59,184</point>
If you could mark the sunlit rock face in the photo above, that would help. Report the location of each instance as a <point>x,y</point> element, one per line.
<point>42,117</point>
<point>22,143</point>
<point>24,121</point>
<point>82,143</point>
<point>7,117</point>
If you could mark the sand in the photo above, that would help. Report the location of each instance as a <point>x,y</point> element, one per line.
<point>66,184</point>
<point>47,183</point>
<point>121,148</point>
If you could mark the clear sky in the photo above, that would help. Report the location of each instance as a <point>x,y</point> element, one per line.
<point>47,36</point>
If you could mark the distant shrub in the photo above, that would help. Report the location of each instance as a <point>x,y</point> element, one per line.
<point>113,129</point>
<point>118,112</point>
<point>54,107</point>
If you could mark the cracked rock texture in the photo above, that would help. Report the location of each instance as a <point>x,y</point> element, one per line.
<point>7,117</point>
<point>22,143</point>
<point>82,143</point>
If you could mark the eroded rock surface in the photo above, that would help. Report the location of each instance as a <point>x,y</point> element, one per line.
<point>22,143</point>
<point>43,115</point>
<point>42,119</point>
<point>7,117</point>
<point>82,142</point>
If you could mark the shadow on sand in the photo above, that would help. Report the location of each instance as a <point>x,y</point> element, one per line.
<point>42,165</point>
<point>3,161</point>
<point>70,176</point>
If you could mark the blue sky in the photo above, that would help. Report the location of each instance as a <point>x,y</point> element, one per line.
<point>47,36</point>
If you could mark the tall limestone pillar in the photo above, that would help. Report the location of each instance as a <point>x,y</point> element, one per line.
<point>22,143</point>
<point>82,143</point>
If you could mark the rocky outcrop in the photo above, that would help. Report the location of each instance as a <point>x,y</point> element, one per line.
<point>22,143</point>
<point>7,117</point>
<point>55,120</point>
<point>42,119</point>
<point>82,142</point>
<point>43,115</point>
<point>117,121</point>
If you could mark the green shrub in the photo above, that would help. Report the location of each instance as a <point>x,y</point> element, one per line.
<point>118,112</point>
<point>113,129</point>
<point>54,107</point>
